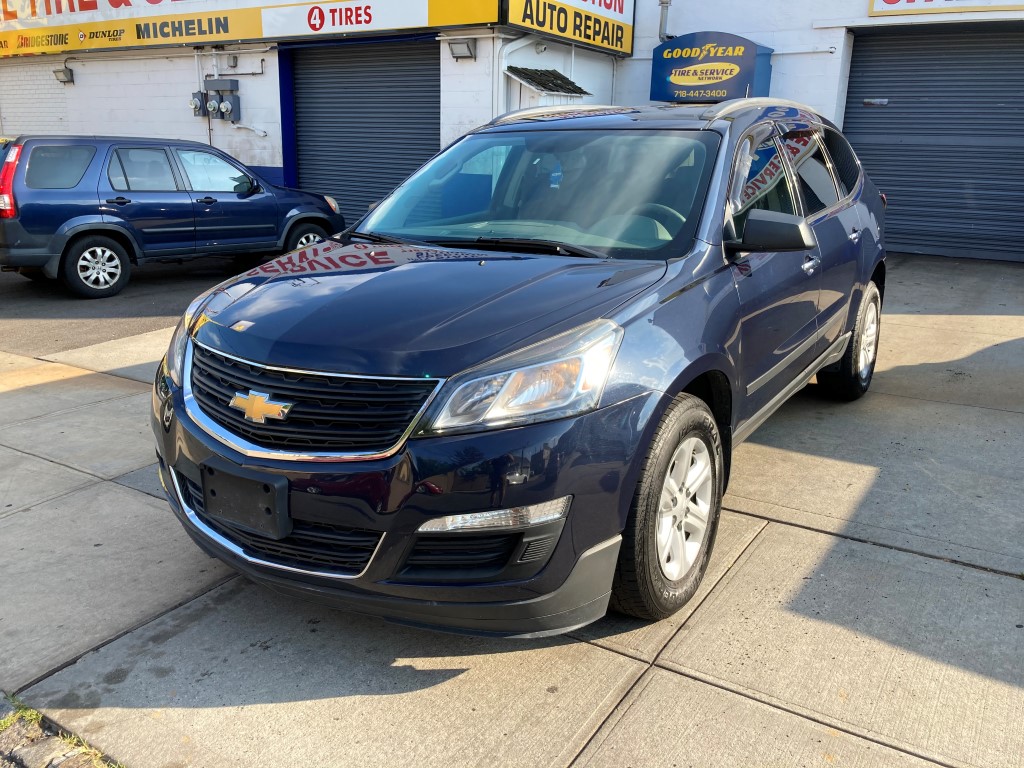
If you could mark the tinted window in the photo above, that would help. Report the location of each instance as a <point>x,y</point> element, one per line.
<point>147,170</point>
<point>58,167</point>
<point>208,173</point>
<point>761,182</point>
<point>814,179</point>
<point>844,161</point>
<point>116,174</point>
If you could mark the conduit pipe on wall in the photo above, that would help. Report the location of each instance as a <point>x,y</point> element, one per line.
<point>663,34</point>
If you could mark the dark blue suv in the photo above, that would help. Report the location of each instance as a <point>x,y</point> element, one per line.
<point>508,396</point>
<point>85,208</point>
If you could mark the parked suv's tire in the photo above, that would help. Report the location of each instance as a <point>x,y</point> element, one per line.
<point>95,267</point>
<point>674,517</point>
<point>853,376</point>
<point>303,235</point>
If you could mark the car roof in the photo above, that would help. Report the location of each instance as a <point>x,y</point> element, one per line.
<point>696,117</point>
<point>111,139</point>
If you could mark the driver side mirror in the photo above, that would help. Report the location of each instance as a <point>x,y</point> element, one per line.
<point>247,186</point>
<point>773,231</point>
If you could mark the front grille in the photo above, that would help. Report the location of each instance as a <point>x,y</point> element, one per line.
<point>343,414</point>
<point>470,555</point>
<point>334,549</point>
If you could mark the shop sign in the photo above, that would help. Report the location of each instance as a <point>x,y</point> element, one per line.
<point>708,67</point>
<point>603,24</point>
<point>905,7</point>
<point>56,26</point>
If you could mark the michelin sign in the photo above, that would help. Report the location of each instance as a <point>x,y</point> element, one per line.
<point>708,67</point>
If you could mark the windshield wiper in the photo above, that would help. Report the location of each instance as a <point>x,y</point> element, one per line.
<point>372,237</point>
<point>533,243</point>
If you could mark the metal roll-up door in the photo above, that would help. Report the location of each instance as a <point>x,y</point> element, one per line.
<point>936,118</point>
<point>366,116</point>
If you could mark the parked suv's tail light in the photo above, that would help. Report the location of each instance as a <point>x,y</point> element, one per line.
<point>7,207</point>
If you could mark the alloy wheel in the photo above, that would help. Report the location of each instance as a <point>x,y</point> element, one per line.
<point>99,267</point>
<point>684,507</point>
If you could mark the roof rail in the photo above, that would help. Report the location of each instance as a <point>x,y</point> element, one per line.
<point>732,106</point>
<point>522,114</point>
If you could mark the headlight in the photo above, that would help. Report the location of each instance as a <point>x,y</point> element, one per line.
<point>206,304</point>
<point>331,202</point>
<point>560,377</point>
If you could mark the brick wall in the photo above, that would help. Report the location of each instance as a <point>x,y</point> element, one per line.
<point>31,99</point>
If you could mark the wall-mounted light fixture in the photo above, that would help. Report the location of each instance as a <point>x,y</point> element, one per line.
<point>462,49</point>
<point>64,75</point>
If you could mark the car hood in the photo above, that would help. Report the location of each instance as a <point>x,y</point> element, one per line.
<point>407,311</point>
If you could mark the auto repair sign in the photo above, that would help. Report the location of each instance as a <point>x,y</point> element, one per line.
<point>703,67</point>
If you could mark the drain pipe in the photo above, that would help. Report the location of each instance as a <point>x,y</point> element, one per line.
<point>663,34</point>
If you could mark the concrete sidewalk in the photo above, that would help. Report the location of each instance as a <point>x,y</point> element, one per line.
<point>864,606</point>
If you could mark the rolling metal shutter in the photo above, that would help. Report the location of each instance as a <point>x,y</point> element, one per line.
<point>948,147</point>
<point>366,116</point>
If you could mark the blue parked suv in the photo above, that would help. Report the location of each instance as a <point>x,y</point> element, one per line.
<point>85,208</point>
<point>507,398</point>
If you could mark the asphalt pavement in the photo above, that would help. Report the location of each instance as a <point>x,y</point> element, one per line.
<point>864,605</point>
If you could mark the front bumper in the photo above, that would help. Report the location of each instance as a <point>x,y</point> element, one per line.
<point>533,581</point>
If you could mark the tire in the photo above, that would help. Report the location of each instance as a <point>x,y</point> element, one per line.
<point>303,235</point>
<point>95,267</point>
<point>33,273</point>
<point>853,376</point>
<point>660,563</point>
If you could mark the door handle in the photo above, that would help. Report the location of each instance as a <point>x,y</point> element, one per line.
<point>207,200</point>
<point>855,235</point>
<point>118,200</point>
<point>811,264</point>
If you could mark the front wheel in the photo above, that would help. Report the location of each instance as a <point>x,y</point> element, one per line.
<point>95,267</point>
<point>672,523</point>
<point>855,371</point>
<point>304,235</point>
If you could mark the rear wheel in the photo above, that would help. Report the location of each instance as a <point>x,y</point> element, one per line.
<point>95,267</point>
<point>853,376</point>
<point>672,524</point>
<point>304,235</point>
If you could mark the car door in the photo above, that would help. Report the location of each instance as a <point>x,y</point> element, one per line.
<point>833,217</point>
<point>142,190</point>
<point>778,291</point>
<point>230,214</point>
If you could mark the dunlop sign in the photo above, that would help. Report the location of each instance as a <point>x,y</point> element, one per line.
<point>606,25</point>
<point>705,67</point>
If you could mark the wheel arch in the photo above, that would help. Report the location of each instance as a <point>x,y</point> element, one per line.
<point>118,235</point>
<point>304,218</point>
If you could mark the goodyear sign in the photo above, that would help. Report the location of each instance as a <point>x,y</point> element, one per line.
<point>606,25</point>
<point>708,67</point>
<point>63,26</point>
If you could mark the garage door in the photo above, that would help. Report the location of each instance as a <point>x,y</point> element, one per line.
<point>366,116</point>
<point>936,117</point>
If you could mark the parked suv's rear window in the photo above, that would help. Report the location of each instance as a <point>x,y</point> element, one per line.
<point>58,167</point>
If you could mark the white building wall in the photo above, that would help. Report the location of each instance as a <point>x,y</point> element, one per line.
<point>31,99</point>
<point>145,95</point>
<point>811,38</point>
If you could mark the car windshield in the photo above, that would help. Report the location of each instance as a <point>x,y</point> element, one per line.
<point>619,194</point>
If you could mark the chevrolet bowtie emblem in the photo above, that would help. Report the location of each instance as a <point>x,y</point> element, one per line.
<point>258,406</point>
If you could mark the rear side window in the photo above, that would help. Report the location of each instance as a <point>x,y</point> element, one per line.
<point>817,187</point>
<point>58,167</point>
<point>844,161</point>
<point>141,169</point>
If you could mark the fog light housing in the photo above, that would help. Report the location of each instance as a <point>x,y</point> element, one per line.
<point>514,517</point>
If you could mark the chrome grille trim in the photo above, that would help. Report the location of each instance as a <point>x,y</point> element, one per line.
<point>247,448</point>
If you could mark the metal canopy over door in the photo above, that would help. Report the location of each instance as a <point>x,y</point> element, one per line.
<point>366,116</point>
<point>936,118</point>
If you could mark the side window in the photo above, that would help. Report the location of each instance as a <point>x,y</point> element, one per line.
<point>844,161</point>
<point>814,179</point>
<point>761,182</point>
<point>208,173</point>
<point>58,167</point>
<point>145,170</point>
<point>116,174</point>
